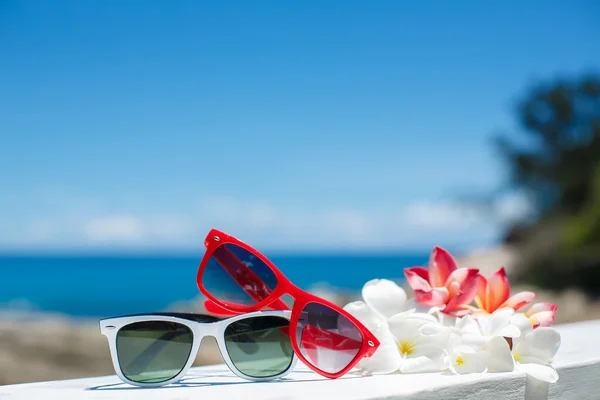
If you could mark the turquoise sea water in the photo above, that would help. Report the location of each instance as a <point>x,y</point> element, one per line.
<point>107,286</point>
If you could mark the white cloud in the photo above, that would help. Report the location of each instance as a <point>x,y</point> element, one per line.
<point>114,227</point>
<point>430,215</point>
<point>418,225</point>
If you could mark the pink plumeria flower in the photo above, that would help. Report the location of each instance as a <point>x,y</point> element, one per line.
<point>541,314</point>
<point>494,294</point>
<point>443,284</point>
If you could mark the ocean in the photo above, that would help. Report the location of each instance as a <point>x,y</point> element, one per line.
<point>102,286</point>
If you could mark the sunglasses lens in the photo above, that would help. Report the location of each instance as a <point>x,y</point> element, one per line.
<point>235,275</point>
<point>153,351</point>
<point>260,347</point>
<point>326,338</point>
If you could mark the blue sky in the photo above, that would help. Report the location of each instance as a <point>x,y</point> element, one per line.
<point>293,125</point>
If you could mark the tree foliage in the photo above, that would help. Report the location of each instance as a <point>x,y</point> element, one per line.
<point>559,167</point>
<point>562,120</point>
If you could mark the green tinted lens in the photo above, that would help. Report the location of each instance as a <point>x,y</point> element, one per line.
<point>153,351</point>
<point>260,346</point>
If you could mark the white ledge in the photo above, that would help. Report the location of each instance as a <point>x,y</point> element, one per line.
<point>577,362</point>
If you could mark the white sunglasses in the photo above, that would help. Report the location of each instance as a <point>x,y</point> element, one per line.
<point>158,349</point>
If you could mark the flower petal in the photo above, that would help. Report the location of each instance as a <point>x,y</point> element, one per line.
<point>463,310</point>
<point>484,323</point>
<point>501,317</point>
<point>498,290</point>
<point>544,373</point>
<point>541,343</point>
<point>467,281</point>
<point>441,265</point>
<point>468,363</point>
<point>364,314</point>
<point>540,307</point>
<point>413,305</point>
<point>468,324</point>
<point>384,297</point>
<point>417,278</point>
<point>426,358</point>
<point>500,358</point>
<point>480,298</point>
<point>519,300</point>
<point>387,357</point>
<point>522,322</point>
<point>434,297</point>
<point>545,318</point>
<point>444,319</point>
<point>510,331</point>
<point>464,277</point>
<point>431,329</point>
<point>476,342</point>
<point>542,314</point>
<point>407,326</point>
<point>499,324</point>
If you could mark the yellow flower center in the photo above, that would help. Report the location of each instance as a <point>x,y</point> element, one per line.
<point>517,357</point>
<point>460,361</point>
<point>406,348</point>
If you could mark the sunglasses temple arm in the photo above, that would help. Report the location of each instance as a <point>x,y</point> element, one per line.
<point>246,278</point>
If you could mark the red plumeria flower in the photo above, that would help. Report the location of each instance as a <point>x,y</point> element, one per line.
<point>443,284</point>
<point>494,294</point>
<point>541,314</point>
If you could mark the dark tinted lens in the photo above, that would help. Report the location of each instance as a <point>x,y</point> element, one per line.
<point>327,339</point>
<point>153,351</point>
<point>260,346</point>
<point>234,275</point>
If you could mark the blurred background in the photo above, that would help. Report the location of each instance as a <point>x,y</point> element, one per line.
<point>343,139</point>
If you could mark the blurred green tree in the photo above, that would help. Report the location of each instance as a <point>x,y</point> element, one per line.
<point>559,168</point>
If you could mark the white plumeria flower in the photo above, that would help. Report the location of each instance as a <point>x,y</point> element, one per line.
<point>387,358</point>
<point>466,347</point>
<point>478,343</point>
<point>385,298</point>
<point>523,322</point>
<point>532,351</point>
<point>498,355</point>
<point>421,341</point>
<point>501,323</point>
<point>466,332</point>
<point>535,351</point>
<point>464,359</point>
<point>409,341</point>
<point>444,319</point>
<point>480,330</point>
<point>382,299</point>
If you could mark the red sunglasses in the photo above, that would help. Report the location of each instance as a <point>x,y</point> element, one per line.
<point>237,279</point>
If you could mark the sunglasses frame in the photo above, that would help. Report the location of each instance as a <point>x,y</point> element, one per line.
<point>217,238</point>
<point>110,327</point>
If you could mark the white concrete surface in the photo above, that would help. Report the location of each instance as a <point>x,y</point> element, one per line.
<point>578,364</point>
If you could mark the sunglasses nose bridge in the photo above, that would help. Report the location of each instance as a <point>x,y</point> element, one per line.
<point>203,330</point>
